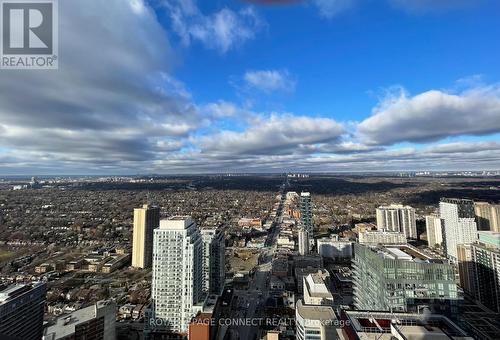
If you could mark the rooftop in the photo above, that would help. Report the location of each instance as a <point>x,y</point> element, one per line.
<point>395,206</point>
<point>15,290</point>
<point>65,325</point>
<point>147,206</point>
<point>315,285</point>
<point>384,232</point>
<point>420,332</point>
<point>178,218</point>
<point>344,274</point>
<point>11,292</point>
<point>176,223</point>
<point>405,252</point>
<point>406,325</point>
<point>333,240</point>
<point>456,200</point>
<point>202,317</point>
<point>489,238</point>
<point>312,312</point>
<point>399,254</point>
<point>210,302</point>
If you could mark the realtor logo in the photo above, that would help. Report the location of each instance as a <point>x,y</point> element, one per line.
<point>29,34</point>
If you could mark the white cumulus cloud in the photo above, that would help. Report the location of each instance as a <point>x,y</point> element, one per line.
<point>433,115</point>
<point>111,100</point>
<point>278,134</point>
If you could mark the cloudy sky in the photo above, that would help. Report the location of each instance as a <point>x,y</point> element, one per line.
<point>191,86</point>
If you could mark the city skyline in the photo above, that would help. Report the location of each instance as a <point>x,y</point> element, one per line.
<point>170,87</point>
<point>270,257</point>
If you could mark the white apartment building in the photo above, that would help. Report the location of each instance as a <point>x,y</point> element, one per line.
<point>213,260</point>
<point>177,284</point>
<point>333,248</point>
<point>434,230</point>
<point>459,224</point>
<point>397,217</point>
<point>316,291</point>
<point>375,237</point>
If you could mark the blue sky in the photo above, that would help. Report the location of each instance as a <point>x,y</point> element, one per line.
<point>184,86</point>
<point>342,63</point>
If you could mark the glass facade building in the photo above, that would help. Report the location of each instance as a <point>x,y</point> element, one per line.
<point>306,213</point>
<point>401,278</point>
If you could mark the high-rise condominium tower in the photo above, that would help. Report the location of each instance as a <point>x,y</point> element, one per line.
<point>459,224</point>
<point>21,311</point>
<point>306,213</point>
<point>213,260</point>
<point>146,219</point>
<point>177,284</point>
<point>397,217</point>
<point>487,216</point>
<point>434,230</point>
<point>479,268</point>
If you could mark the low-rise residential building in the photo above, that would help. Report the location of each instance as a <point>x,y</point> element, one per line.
<point>250,222</point>
<point>116,262</point>
<point>362,227</point>
<point>43,268</point>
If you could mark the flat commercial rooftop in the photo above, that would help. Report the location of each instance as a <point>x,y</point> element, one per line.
<point>399,254</point>
<point>405,252</point>
<point>176,223</point>
<point>421,332</point>
<point>11,292</point>
<point>320,313</point>
<point>411,326</point>
<point>65,325</point>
